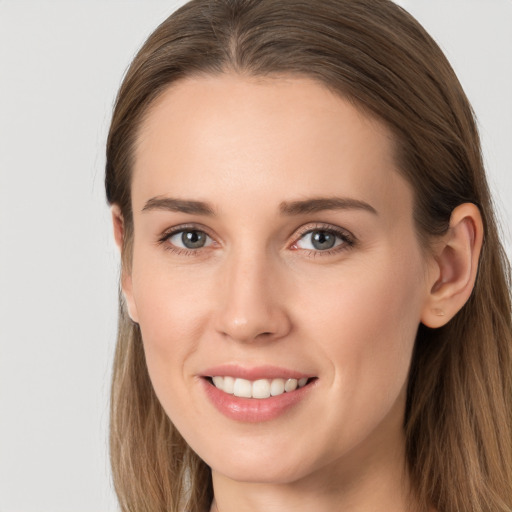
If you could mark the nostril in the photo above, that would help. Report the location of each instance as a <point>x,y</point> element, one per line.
<point>264,335</point>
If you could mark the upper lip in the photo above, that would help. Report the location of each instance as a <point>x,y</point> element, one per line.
<point>253,373</point>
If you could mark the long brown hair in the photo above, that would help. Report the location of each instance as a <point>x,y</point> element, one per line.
<point>458,418</point>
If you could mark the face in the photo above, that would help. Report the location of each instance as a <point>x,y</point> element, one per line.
<point>277,277</point>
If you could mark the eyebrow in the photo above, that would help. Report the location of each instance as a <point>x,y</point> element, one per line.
<point>324,203</point>
<point>178,205</point>
<point>289,208</point>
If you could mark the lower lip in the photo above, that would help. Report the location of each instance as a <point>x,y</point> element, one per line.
<point>254,410</point>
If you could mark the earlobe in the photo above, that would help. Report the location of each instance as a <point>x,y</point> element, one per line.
<point>126,277</point>
<point>455,266</point>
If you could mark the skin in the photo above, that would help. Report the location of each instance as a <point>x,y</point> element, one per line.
<point>259,293</point>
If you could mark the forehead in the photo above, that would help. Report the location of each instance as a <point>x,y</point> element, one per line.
<point>221,137</point>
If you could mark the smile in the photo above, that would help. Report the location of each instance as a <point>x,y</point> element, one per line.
<point>259,389</point>
<point>257,393</point>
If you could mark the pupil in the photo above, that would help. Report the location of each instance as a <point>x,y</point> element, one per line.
<point>323,240</point>
<point>193,239</point>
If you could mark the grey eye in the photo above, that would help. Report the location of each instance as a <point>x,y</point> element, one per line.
<point>319,240</point>
<point>322,240</point>
<point>190,239</point>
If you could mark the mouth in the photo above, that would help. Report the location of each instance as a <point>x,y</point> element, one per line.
<point>258,389</point>
<point>256,394</point>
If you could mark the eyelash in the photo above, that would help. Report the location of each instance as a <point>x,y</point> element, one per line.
<point>180,251</point>
<point>347,240</point>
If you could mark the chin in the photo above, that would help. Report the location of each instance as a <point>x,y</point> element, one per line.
<point>257,473</point>
<point>262,464</point>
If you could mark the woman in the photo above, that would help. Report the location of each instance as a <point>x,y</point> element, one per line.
<point>315,311</point>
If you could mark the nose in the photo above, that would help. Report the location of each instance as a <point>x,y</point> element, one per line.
<point>252,302</point>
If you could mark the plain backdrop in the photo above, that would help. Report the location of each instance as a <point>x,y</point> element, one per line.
<point>61,63</point>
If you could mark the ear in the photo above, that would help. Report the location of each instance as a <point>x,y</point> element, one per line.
<point>455,266</point>
<point>126,277</point>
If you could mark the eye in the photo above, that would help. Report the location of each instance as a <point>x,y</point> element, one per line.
<point>189,239</point>
<point>322,240</point>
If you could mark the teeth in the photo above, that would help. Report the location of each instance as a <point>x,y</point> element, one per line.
<point>290,385</point>
<point>243,388</point>
<point>219,382</point>
<point>261,388</point>
<point>229,385</point>
<point>277,387</point>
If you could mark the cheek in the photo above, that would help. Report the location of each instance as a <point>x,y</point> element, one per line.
<point>170,308</point>
<point>365,323</point>
<point>172,320</point>
<point>364,327</point>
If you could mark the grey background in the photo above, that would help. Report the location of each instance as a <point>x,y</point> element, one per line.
<point>61,63</point>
